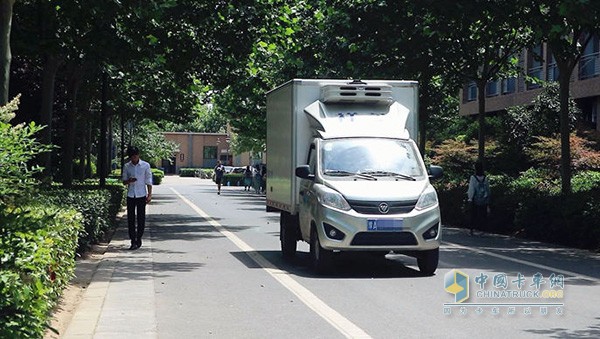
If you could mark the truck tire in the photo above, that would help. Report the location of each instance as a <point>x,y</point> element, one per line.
<point>320,257</point>
<point>288,234</point>
<point>428,261</point>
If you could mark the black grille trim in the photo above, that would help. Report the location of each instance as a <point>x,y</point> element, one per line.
<point>384,239</point>
<point>372,207</point>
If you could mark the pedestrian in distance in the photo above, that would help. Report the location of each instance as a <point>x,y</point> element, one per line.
<point>219,172</point>
<point>137,177</point>
<point>478,196</point>
<point>263,181</point>
<point>257,179</point>
<point>247,178</point>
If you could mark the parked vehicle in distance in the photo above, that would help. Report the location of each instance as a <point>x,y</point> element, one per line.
<point>345,174</point>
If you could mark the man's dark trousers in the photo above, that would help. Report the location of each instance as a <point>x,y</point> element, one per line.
<point>136,206</point>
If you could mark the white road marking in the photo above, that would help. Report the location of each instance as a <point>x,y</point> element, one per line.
<point>524,262</point>
<point>342,324</point>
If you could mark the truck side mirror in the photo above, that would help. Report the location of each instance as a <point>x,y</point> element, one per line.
<point>304,172</point>
<point>435,172</point>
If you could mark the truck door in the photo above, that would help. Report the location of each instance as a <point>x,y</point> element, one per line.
<point>306,196</point>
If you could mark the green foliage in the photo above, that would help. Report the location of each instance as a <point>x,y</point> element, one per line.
<point>17,147</point>
<point>188,172</point>
<point>570,220</point>
<point>206,120</point>
<point>205,173</point>
<point>532,206</point>
<point>157,176</point>
<point>523,123</point>
<point>458,157</point>
<point>98,207</point>
<point>77,170</point>
<point>38,260</point>
<point>545,152</point>
<point>149,138</point>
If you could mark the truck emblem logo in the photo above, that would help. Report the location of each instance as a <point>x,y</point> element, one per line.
<point>384,208</point>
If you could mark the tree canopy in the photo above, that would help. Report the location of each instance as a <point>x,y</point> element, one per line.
<point>161,60</point>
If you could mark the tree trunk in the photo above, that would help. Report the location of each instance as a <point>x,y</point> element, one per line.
<point>51,66</point>
<point>88,149</point>
<point>82,148</point>
<point>481,119</point>
<point>6,12</point>
<point>565,130</point>
<point>74,84</point>
<point>103,140</point>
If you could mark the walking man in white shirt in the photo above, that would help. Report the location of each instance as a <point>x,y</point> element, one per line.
<point>138,178</point>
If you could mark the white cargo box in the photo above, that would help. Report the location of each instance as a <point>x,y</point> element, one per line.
<point>302,109</point>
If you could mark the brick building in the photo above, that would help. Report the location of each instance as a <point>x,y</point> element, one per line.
<point>202,150</point>
<point>501,94</point>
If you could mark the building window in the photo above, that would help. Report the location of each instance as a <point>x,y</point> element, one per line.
<point>210,152</point>
<point>509,85</point>
<point>589,64</point>
<point>492,88</point>
<point>472,92</point>
<point>534,66</point>
<point>551,68</point>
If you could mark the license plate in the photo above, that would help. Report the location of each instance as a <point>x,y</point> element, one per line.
<point>384,225</point>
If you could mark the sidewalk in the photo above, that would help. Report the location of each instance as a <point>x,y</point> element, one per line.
<point>119,301</point>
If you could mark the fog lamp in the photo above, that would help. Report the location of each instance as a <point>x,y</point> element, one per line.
<point>332,232</point>
<point>431,232</point>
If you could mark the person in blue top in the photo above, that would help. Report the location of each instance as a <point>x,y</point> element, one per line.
<point>138,179</point>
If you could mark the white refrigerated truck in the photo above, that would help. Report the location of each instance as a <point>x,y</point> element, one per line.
<point>345,173</point>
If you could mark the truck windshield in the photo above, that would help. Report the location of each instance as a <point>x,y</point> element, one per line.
<point>371,156</point>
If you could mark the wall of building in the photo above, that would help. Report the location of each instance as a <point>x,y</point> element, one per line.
<point>190,153</point>
<point>585,88</point>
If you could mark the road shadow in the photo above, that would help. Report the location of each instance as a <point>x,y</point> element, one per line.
<point>345,265</point>
<point>163,199</point>
<point>545,257</point>
<point>181,227</point>
<point>592,331</point>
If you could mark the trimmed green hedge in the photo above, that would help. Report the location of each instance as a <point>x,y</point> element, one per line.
<point>532,206</point>
<point>99,207</point>
<point>205,173</point>
<point>157,176</point>
<point>188,172</point>
<point>38,261</point>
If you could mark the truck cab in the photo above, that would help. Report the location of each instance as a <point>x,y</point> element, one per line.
<point>359,182</point>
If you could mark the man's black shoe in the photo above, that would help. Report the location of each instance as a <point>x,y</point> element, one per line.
<point>133,247</point>
<point>139,244</point>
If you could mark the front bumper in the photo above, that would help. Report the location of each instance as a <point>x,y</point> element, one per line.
<point>413,234</point>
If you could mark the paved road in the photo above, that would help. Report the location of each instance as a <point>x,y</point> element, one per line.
<point>211,268</point>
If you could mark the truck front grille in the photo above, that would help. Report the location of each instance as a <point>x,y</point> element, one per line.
<point>384,239</point>
<point>372,207</point>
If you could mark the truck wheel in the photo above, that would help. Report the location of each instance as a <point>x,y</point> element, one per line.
<point>320,257</point>
<point>428,261</point>
<point>288,234</point>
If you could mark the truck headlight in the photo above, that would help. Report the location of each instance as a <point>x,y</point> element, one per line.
<point>427,199</point>
<point>331,198</point>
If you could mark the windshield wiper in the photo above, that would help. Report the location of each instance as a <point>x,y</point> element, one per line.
<point>340,173</point>
<point>391,174</point>
<point>343,173</point>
